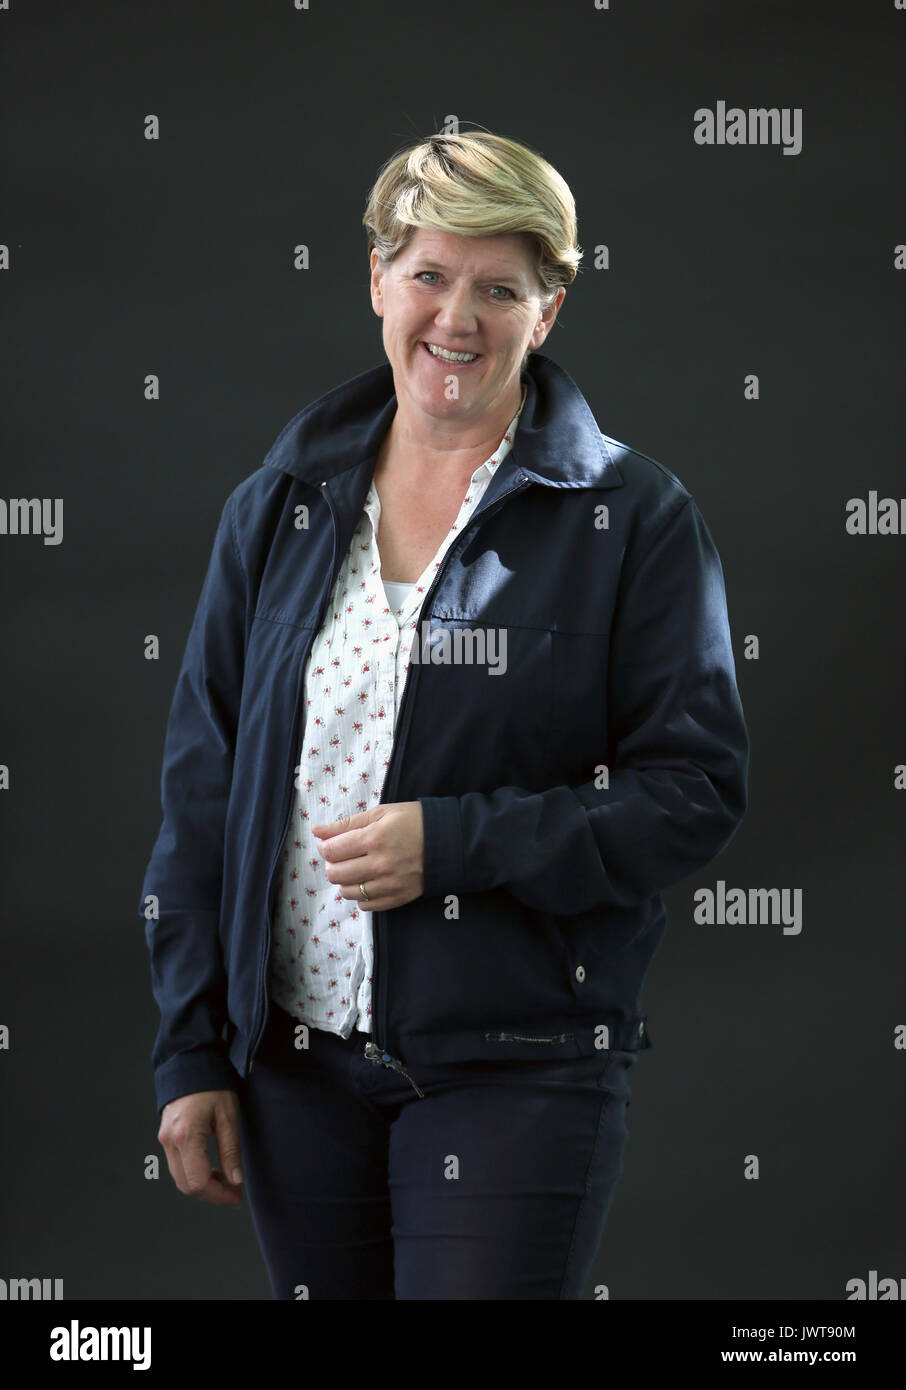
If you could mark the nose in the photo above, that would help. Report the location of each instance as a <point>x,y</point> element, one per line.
<point>455,313</point>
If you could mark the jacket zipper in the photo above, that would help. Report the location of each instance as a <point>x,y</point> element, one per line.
<point>373,1051</point>
<point>288,802</point>
<point>524,1037</point>
<point>377,1054</point>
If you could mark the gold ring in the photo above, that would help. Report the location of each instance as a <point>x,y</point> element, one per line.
<point>362,891</point>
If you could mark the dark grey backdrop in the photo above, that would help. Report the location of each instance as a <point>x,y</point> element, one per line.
<point>174,257</point>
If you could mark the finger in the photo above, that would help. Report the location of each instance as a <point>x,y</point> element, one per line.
<point>348,873</point>
<point>177,1172</point>
<point>378,902</point>
<point>375,900</point>
<point>339,827</point>
<point>215,1189</point>
<point>348,845</point>
<point>219,1192</point>
<point>196,1165</point>
<point>226,1128</point>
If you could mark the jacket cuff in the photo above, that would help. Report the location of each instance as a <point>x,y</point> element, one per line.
<point>200,1070</point>
<point>444,868</point>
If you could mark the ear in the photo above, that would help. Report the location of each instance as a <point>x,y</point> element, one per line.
<point>377,276</point>
<point>546,319</point>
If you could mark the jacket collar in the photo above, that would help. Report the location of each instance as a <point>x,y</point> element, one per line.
<point>558,442</point>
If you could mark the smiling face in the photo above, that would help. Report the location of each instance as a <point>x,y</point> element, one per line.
<point>477,296</point>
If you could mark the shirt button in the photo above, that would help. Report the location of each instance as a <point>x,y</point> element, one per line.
<point>580,973</point>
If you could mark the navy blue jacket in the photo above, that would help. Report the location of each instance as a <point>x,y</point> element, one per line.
<point>560,798</point>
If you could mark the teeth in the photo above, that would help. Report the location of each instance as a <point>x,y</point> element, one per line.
<point>450,356</point>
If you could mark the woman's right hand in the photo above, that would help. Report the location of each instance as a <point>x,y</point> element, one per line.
<point>185,1125</point>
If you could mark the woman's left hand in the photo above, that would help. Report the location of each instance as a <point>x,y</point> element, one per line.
<point>384,848</point>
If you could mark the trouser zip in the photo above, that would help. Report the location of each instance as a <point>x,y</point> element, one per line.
<point>376,1054</point>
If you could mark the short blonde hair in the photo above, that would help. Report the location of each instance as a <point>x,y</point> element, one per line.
<point>476,184</point>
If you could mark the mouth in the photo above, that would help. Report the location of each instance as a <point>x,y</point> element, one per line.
<point>458,361</point>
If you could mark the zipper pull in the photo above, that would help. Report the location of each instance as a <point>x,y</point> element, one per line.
<point>377,1054</point>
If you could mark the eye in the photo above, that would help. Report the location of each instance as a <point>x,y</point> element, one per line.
<point>419,273</point>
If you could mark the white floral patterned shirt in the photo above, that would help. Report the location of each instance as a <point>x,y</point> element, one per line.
<point>321,954</point>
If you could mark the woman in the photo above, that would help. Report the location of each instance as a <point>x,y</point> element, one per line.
<point>399,919</point>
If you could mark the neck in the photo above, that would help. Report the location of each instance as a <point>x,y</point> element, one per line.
<point>419,445</point>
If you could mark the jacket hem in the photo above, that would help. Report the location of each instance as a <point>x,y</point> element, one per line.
<point>506,1041</point>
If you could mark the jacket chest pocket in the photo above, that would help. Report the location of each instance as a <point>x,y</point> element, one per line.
<point>484,704</point>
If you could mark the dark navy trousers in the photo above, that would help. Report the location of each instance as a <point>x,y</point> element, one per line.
<point>495,1184</point>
